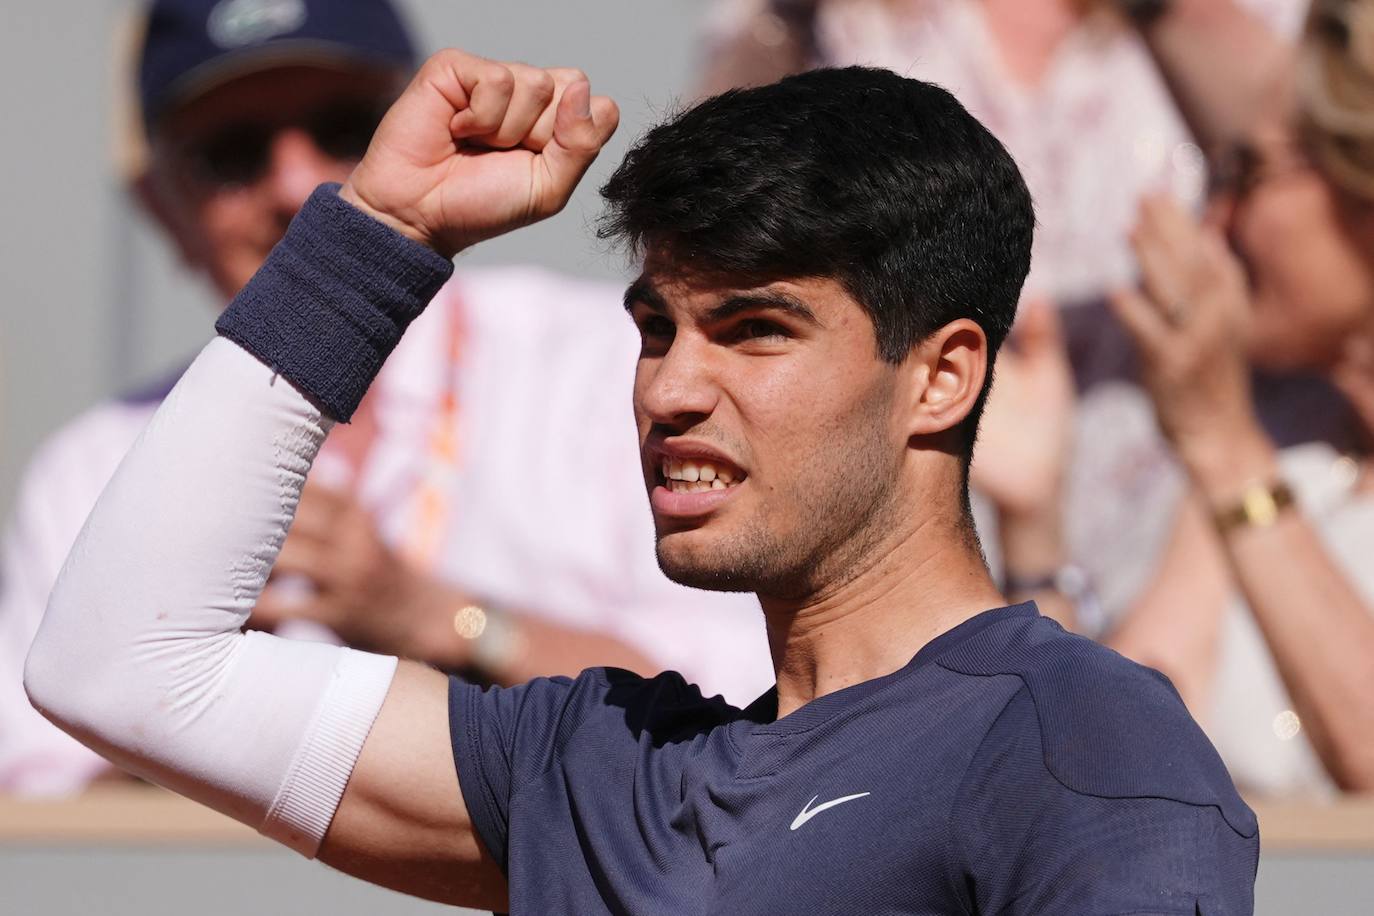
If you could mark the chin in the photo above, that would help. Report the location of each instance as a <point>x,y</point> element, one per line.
<point>702,566</point>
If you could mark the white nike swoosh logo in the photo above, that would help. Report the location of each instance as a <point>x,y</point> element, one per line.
<point>809,812</point>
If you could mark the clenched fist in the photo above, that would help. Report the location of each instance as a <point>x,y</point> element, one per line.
<point>474,148</point>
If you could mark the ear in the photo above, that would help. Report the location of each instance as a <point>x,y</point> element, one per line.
<point>150,190</point>
<point>948,369</point>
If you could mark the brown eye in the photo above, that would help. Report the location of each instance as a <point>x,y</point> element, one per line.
<point>655,334</point>
<point>656,326</point>
<point>759,329</point>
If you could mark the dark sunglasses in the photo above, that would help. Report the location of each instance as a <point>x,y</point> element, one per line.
<point>240,153</point>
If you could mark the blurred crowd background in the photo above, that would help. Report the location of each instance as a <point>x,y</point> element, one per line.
<point>1174,461</point>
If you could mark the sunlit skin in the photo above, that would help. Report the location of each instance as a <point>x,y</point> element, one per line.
<point>845,516</point>
<point>228,231</point>
<point>1306,252</point>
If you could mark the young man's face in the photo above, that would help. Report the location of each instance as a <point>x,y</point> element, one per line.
<point>770,430</point>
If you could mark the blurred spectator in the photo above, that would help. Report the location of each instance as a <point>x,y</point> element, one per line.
<point>1070,88</point>
<point>1303,301</point>
<point>492,466</point>
<point>1090,501</point>
<point>1065,84</point>
<point>1269,572</point>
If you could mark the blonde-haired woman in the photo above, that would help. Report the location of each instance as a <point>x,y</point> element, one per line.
<point>1070,87</point>
<point>1066,85</point>
<point>1279,547</point>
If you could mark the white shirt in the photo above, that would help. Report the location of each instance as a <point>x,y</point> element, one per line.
<point>1250,717</point>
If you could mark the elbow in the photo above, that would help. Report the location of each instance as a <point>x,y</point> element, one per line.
<point>83,698</point>
<point>43,679</point>
<point>77,672</point>
<point>71,688</point>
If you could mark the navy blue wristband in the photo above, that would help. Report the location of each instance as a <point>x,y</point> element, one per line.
<point>333,299</point>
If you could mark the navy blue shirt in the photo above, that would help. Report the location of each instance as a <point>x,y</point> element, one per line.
<point>1009,768</point>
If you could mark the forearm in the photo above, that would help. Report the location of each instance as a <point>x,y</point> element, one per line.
<point>1321,634</point>
<point>509,646</point>
<point>1222,65</point>
<point>1175,624</point>
<point>140,654</point>
<point>1033,554</point>
<point>548,649</point>
<point>1318,628</point>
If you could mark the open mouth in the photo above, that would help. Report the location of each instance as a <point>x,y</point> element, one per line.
<point>697,475</point>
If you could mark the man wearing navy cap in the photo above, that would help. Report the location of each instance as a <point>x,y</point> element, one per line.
<point>829,265</point>
<point>247,106</point>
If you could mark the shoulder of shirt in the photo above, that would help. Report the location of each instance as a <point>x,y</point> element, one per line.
<point>1108,727</point>
<point>667,705</point>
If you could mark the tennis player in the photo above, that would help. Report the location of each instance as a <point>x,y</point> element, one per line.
<point>829,265</point>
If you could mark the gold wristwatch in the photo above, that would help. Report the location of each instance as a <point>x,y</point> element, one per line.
<point>1259,506</point>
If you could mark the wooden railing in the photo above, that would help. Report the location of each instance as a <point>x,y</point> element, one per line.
<point>111,815</point>
<point>1345,824</point>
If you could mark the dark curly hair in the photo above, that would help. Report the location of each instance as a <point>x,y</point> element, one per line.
<point>882,183</point>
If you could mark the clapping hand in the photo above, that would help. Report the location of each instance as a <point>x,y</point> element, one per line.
<point>474,148</point>
<point>356,585</point>
<point>1189,320</point>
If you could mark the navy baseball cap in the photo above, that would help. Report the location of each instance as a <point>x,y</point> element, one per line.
<point>191,46</point>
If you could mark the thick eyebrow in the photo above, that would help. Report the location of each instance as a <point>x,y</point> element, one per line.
<point>642,292</point>
<point>765,299</point>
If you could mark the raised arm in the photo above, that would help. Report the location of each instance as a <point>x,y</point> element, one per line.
<point>141,654</point>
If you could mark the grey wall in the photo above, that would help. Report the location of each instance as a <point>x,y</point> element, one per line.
<point>92,302</point>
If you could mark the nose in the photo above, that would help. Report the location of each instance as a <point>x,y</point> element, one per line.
<point>680,388</point>
<point>296,167</point>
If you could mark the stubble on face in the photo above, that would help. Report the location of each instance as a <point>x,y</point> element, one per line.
<point>821,507</point>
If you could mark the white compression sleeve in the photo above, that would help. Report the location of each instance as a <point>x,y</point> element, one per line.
<point>141,655</point>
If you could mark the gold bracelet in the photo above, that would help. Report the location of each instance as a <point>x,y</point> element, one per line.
<point>1259,506</point>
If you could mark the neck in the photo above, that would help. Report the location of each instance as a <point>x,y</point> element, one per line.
<point>907,592</point>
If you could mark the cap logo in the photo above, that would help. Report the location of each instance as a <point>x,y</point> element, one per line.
<point>236,23</point>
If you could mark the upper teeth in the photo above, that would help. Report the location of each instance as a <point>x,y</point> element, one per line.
<point>706,475</point>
